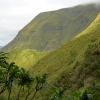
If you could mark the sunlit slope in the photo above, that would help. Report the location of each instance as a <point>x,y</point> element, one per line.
<point>49,30</point>
<point>25,58</point>
<point>94,27</point>
<point>67,65</point>
<point>74,65</point>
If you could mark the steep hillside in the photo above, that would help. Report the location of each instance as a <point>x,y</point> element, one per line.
<point>25,58</point>
<point>76,64</point>
<point>49,30</point>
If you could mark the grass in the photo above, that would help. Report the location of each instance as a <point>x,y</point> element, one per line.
<point>74,65</point>
<point>69,66</point>
<point>49,30</point>
<point>25,58</point>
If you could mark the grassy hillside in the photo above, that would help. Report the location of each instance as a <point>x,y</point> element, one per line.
<point>76,64</point>
<point>49,30</point>
<point>25,58</point>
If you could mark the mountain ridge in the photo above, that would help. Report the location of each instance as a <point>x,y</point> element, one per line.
<point>74,65</point>
<point>71,45</point>
<point>49,30</point>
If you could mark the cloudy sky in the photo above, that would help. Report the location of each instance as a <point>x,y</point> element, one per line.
<point>15,14</point>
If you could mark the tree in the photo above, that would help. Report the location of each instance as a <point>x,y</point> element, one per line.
<point>11,73</point>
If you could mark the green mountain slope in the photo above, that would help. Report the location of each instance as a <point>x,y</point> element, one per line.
<point>49,30</point>
<point>25,58</point>
<point>76,64</point>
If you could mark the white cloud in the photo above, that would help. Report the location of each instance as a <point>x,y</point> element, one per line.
<point>15,14</point>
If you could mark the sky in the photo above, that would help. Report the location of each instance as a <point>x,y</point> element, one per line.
<point>15,14</point>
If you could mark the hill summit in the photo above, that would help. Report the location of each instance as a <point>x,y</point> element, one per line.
<point>49,30</point>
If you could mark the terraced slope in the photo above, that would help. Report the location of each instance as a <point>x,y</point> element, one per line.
<point>49,30</point>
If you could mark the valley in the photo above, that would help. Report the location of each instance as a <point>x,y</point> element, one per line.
<point>64,44</point>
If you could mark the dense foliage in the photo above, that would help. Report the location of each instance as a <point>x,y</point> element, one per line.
<point>11,75</point>
<point>73,69</point>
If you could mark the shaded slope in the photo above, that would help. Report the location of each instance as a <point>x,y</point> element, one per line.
<point>49,30</point>
<point>25,58</point>
<point>67,65</point>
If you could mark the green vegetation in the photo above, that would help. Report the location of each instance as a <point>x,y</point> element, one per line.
<point>12,76</point>
<point>49,30</point>
<point>25,58</point>
<point>74,65</point>
<point>73,69</point>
